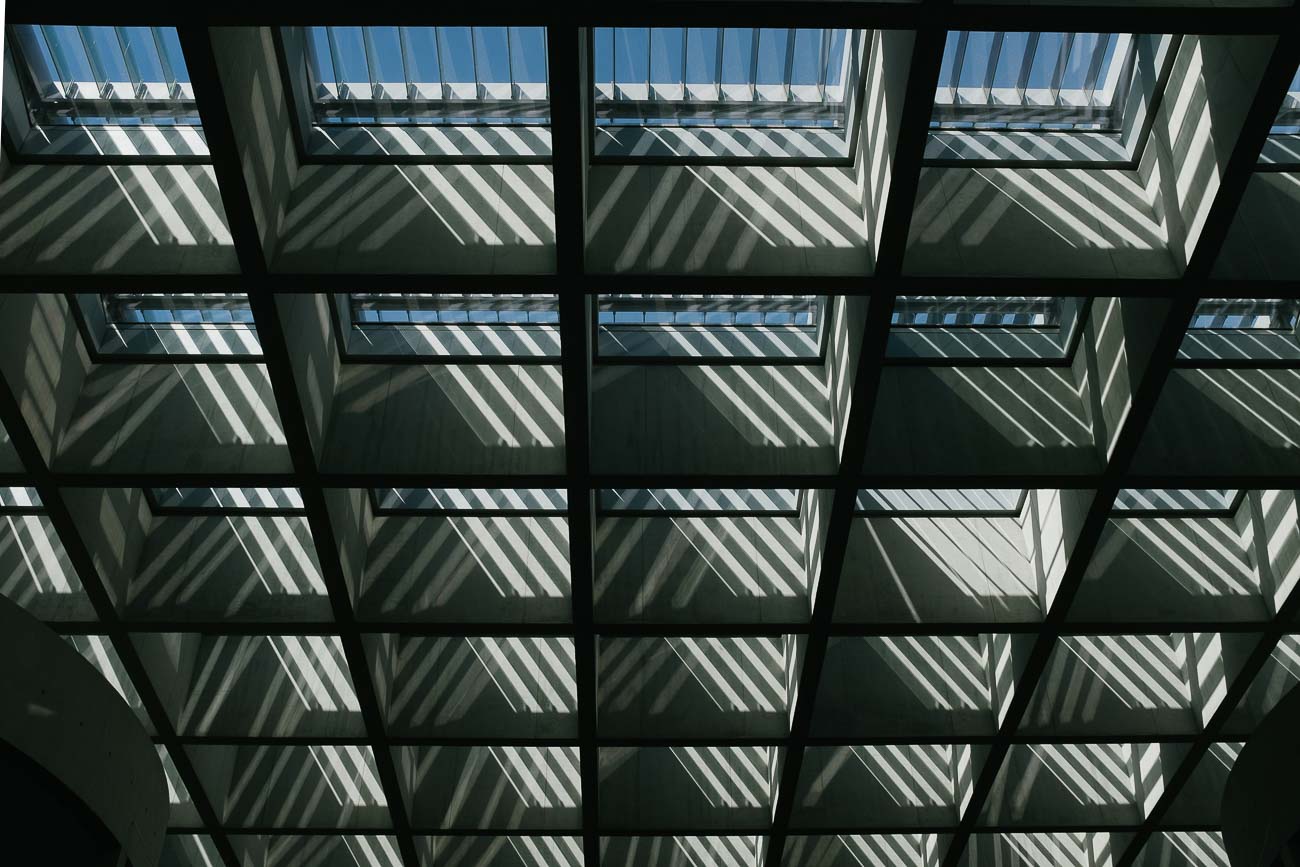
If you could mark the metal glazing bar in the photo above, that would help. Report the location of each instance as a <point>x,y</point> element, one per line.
<point>1062,61</point>
<point>1094,67</point>
<point>995,52</point>
<point>958,60</point>
<point>823,63</point>
<point>755,33</point>
<point>132,69</point>
<point>406,63</point>
<point>1022,79</point>
<point>169,74</point>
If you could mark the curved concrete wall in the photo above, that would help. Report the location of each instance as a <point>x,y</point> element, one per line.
<point>61,713</point>
<point>1260,813</point>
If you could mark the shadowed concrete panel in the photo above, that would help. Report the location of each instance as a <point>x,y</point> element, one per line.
<point>1260,243</point>
<point>720,419</point>
<point>44,361</point>
<point>726,220</point>
<point>451,418</point>
<point>706,569</point>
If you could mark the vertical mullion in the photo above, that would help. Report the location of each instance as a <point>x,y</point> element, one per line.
<point>510,63</point>
<point>823,61</point>
<point>1022,80</point>
<point>406,65</point>
<point>719,44</point>
<point>479,92</point>
<point>169,74</point>
<point>95,69</point>
<point>753,64</point>
<point>1094,67</point>
<point>685,32</point>
<point>1063,58</point>
<point>132,71</point>
<point>958,61</point>
<point>994,54</point>
<point>59,65</point>
<point>789,64</point>
<point>339,85</point>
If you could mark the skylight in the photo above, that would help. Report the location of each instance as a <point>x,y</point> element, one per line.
<point>427,75</point>
<point>1170,500</point>
<point>103,76</point>
<point>170,323</point>
<point>916,311</point>
<point>458,325</point>
<point>1033,81</point>
<point>225,499</point>
<point>711,326</point>
<point>975,327</point>
<point>734,76</point>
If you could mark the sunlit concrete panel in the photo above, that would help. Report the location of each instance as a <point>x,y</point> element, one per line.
<point>1261,244</point>
<point>1228,422</point>
<point>1173,569</point>
<point>915,686</point>
<point>709,569</point>
<point>716,419</point>
<point>1102,684</point>
<point>1208,94</point>
<point>444,219</point>
<point>689,787</point>
<point>489,687</point>
<point>1037,222</point>
<point>188,850</point>
<point>1066,785</point>
<point>450,418</point>
<point>681,850</point>
<point>889,59</point>
<point>262,118</point>
<point>491,788</point>
<point>1045,849</point>
<point>194,418</point>
<point>1183,849</point>
<point>692,687</point>
<point>1002,420</point>
<point>227,567</point>
<point>245,686</point>
<point>44,362</point>
<point>725,219</point>
<point>937,569</point>
<point>848,320</point>
<point>499,851</point>
<point>481,569</point>
<point>855,850</point>
<point>35,571</point>
<point>289,787</point>
<point>880,786</point>
<point>319,850</point>
<point>132,219</point>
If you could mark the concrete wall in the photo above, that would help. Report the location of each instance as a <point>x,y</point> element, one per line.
<point>662,788</point>
<point>315,356</point>
<point>885,786</point>
<point>889,62</point>
<point>727,419</point>
<point>35,571</point>
<point>491,788</point>
<point>112,523</point>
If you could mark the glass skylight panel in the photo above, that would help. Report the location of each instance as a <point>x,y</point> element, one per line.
<point>723,77</point>
<point>104,76</point>
<point>711,326</point>
<point>462,500</point>
<point>427,75</point>
<point>1033,81</point>
<point>452,324</point>
<point>1246,314</point>
<point>226,499</point>
<point>170,323</point>
<point>700,500</point>
<point>1287,121</point>
<point>976,311</point>
<point>1173,500</point>
<point>946,501</point>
